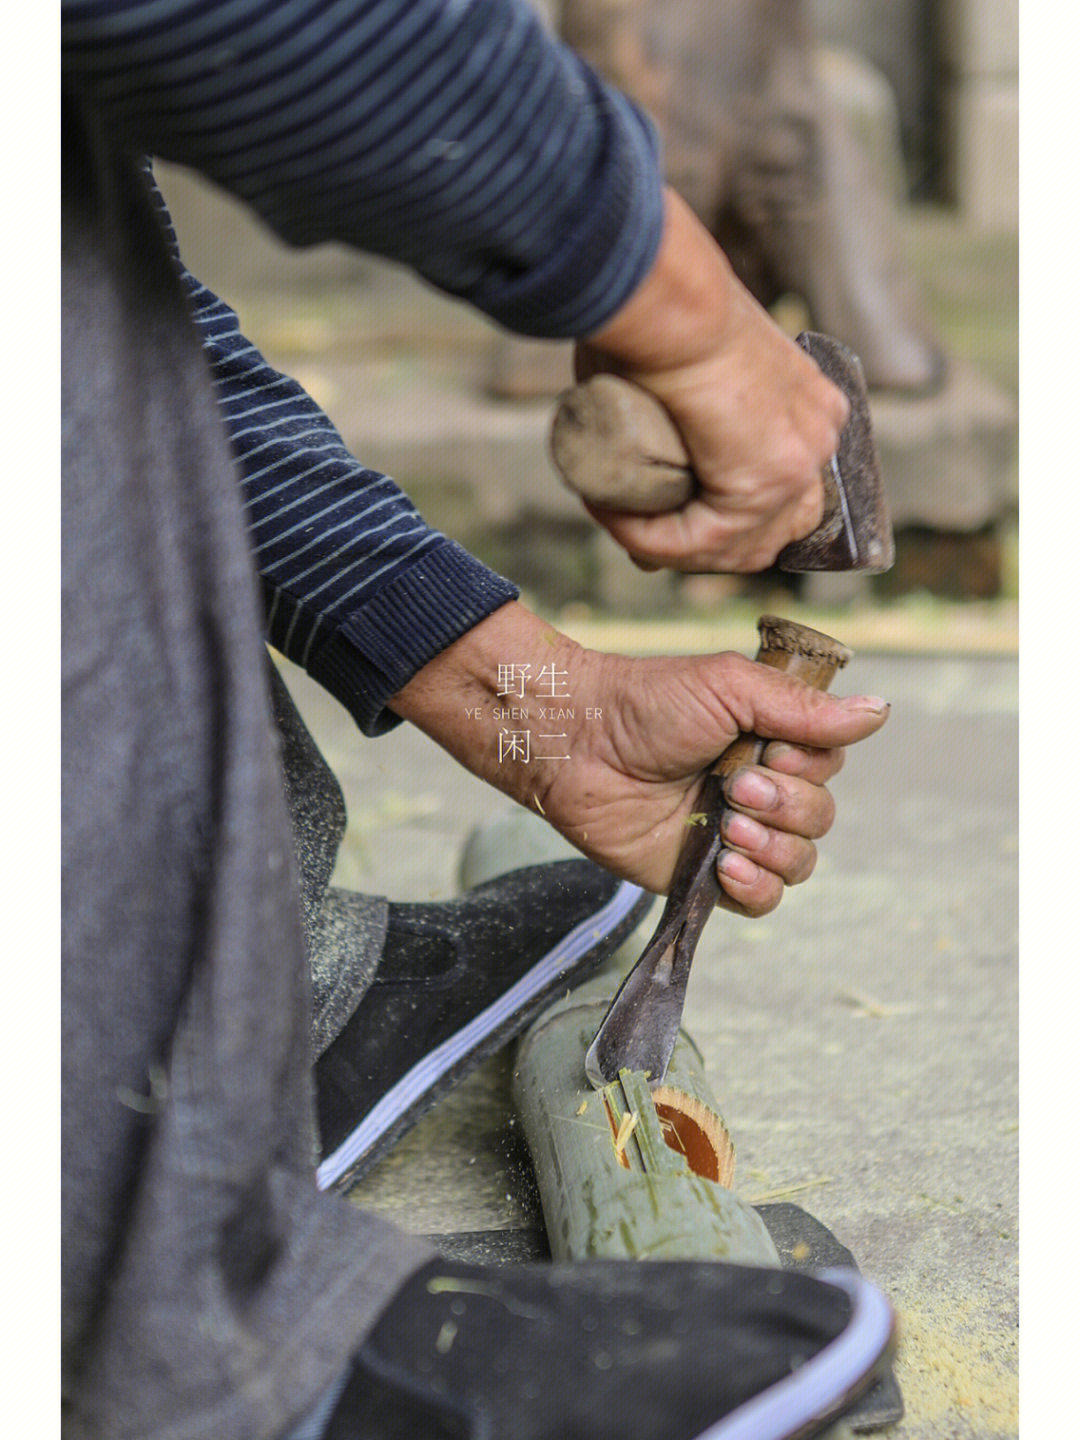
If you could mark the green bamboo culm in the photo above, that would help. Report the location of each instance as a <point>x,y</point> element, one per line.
<point>626,1172</point>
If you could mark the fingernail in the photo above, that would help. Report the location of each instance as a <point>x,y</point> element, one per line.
<point>873,703</point>
<point>750,787</point>
<point>778,753</point>
<point>737,867</point>
<point>741,830</point>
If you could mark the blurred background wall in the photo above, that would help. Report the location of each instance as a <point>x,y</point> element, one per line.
<point>954,67</point>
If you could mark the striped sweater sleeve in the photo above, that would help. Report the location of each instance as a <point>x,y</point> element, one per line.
<point>455,136</point>
<point>358,589</point>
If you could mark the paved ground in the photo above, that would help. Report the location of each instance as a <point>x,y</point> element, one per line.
<point>861,1040</point>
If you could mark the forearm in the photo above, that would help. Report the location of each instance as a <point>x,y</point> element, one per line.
<point>683,308</point>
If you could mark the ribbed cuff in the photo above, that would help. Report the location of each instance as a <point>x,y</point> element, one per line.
<point>588,278</point>
<point>381,646</point>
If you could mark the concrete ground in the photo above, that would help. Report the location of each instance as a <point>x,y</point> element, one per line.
<point>862,1040</point>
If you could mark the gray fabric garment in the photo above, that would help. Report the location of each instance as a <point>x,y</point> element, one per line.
<point>209,1290</point>
<point>314,1423</point>
<point>343,931</point>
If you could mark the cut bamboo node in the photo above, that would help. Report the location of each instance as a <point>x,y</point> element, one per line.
<point>695,1134</point>
<point>627,1172</point>
<point>691,1129</point>
<point>675,1134</point>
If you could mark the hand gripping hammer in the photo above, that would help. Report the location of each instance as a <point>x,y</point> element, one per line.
<point>616,446</point>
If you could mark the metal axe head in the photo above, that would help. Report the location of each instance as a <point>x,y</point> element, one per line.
<point>856,530</point>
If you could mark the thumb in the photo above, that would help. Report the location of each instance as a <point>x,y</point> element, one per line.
<point>778,706</point>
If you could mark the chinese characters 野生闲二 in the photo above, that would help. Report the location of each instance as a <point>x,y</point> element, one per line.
<point>549,684</point>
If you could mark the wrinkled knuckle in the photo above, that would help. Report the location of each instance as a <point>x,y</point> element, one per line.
<point>795,459</point>
<point>717,539</point>
<point>737,674</point>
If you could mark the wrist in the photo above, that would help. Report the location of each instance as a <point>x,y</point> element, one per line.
<point>681,311</point>
<point>499,700</point>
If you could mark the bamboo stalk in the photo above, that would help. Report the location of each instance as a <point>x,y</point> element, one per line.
<point>626,1172</point>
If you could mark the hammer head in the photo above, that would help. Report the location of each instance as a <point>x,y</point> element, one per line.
<point>856,529</point>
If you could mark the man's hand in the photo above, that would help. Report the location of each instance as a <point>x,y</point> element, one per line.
<point>758,418</point>
<point>642,736</point>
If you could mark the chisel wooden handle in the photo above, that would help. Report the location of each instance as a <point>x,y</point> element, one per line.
<point>642,1024</point>
<point>810,656</point>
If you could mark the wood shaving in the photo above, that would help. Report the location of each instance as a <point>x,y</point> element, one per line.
<point>871,1009</point>
<point>785,1191</point>
<point>627,1126</point>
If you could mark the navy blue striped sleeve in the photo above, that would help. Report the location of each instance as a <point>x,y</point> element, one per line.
<point>455,136</point>
<point>358,589</point>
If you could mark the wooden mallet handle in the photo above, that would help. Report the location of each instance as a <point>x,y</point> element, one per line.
<point>615,445</point>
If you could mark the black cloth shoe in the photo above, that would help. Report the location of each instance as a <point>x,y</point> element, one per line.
<point>455,982</point>
<point>614,1350</point>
